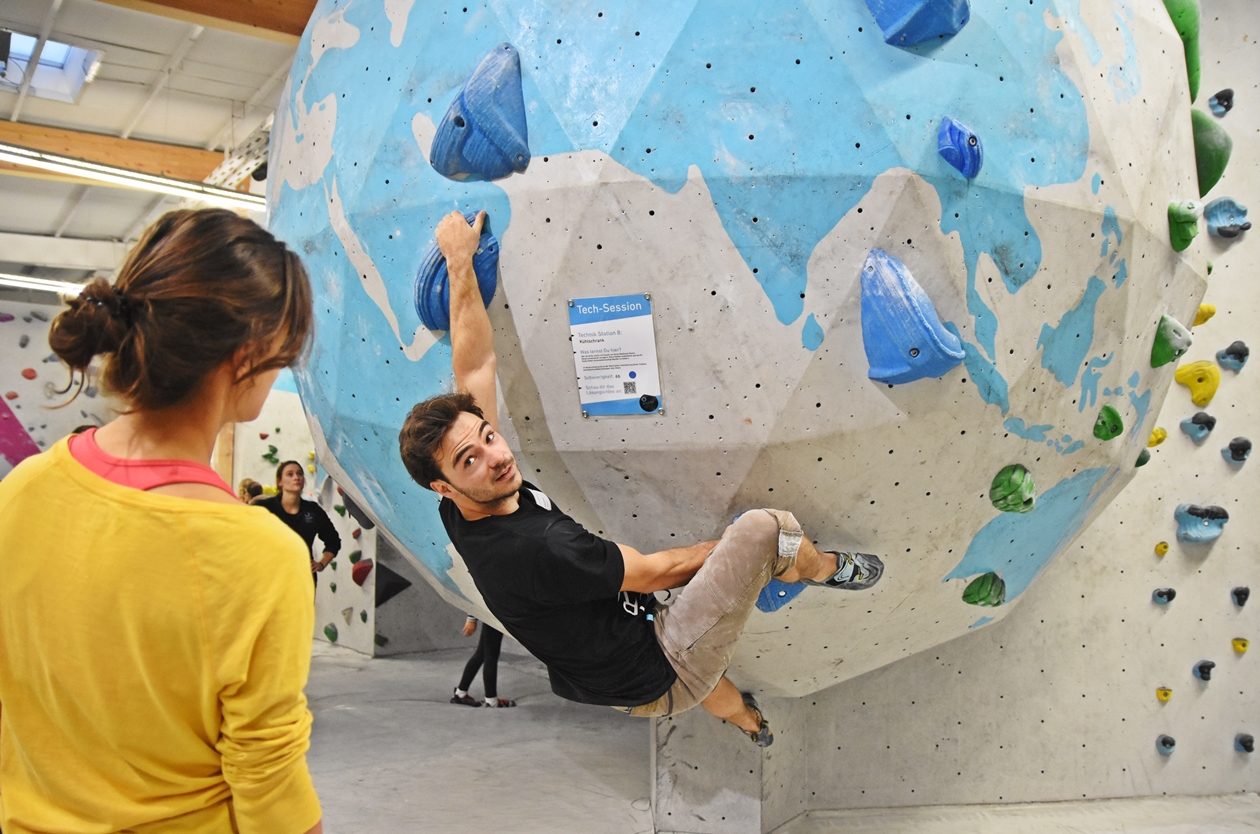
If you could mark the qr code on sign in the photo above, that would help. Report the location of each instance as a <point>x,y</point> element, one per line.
<point>629,388</point>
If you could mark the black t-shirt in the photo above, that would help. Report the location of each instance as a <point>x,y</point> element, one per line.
<point>555,587</point>
<point>308,522</point>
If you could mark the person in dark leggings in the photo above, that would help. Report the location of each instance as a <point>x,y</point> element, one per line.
<point>485,658</point>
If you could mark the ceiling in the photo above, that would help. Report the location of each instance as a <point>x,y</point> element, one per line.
<point>184,87</point>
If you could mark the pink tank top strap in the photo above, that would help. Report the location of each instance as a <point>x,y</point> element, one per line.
<point>141,474</point>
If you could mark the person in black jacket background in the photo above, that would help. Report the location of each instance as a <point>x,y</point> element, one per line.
<point>306,518</point>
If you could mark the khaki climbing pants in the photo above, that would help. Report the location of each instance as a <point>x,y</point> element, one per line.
<point>698,632</point>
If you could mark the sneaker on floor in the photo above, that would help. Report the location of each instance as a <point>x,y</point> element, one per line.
<point>854,572</point>
<point>464,700</point>
<point>500,703</point>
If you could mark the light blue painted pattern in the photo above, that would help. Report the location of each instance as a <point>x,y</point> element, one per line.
<point>1089,382</point>
<point>1063,348</point>
<point>811,333</point>
<point>760,125</point>
<point>1018,545</point>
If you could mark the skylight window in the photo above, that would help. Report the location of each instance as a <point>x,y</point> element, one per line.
<point>61,74</point>
<point>54,54</point>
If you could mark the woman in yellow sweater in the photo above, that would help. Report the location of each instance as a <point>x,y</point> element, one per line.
<point>155,633</point>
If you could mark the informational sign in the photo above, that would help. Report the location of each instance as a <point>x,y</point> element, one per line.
<point>614,352</point>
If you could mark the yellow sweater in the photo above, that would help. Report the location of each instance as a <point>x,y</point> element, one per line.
<point>153,652</point>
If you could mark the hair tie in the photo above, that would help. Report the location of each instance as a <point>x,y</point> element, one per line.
<point>118,305</point>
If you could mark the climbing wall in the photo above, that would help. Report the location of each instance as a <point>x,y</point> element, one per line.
<point>908,288</point>
<point>1069,697</point>
<point>32,379</point>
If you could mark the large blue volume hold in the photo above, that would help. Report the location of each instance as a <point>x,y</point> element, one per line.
<point>902,334</point>
<point>483,135</point>
<point>433,292</point>
<point>777,594</point>
<point>907,22</point>
<point>960,146</point>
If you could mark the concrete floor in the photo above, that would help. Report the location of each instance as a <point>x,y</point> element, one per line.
<point>391,755</point>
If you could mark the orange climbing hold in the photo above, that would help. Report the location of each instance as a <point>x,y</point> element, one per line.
<point>28,373</point>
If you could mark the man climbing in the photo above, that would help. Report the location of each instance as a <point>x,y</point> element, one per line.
<point>572,598</point>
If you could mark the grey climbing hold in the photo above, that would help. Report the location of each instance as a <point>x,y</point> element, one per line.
<point>1245,743</point>
<point>1239,595</point>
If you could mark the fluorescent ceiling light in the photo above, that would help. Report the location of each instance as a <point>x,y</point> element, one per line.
<point>26,282</point>
<point>199,191</point>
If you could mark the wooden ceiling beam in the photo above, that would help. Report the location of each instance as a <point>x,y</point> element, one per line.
<point>278,20</point>
<point>176,161</point>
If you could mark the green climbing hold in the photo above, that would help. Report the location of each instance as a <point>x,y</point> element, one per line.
<point>1143,458</point>
<point>333,564</point>
<point>1185,19</point>
<point>330,631</point>
<point>1172,339</point>
<point>1212,147</point>
<point>363,615</point>
<point>381,640</point>
<point>1183,223</point>
<point>355,556</point>
<point>1012,490</point>
<point>340,510</point>
<point>332,586</point>
<point>988,589</point>
<point>1108,425</point>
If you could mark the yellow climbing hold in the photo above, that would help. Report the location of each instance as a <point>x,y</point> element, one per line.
<point>310,467</point>
<point>1163,693</point>
<point>1240,644</point>
<point>1161,549</point>
<point>311,454</point>
<point>1202,378</point>
<point>1158,436</point>
<point>1205,312</point>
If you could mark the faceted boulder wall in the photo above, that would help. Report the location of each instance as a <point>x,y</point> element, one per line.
<point>915,285</point>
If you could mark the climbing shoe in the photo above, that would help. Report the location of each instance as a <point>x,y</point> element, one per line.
<point>763,737</point>
<point>464,700</point>
<point>854,572</point>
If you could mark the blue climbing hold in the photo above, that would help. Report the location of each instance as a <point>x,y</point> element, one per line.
<point>902,334</point>
<point>777,594</point>
<point>432,291</point>
<point>960,146</point>
<point>1198,427</point>
<point>907,22</point>
<point>1165,744</point>
<point>483,135</point>
<point>1222,102</point>
<point>1226,218</point>
<point>1234,357</point>
<point>1199,525</point>
<point>1237,452</point>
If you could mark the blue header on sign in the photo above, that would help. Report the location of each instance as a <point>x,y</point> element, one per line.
<point>609,307</point>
